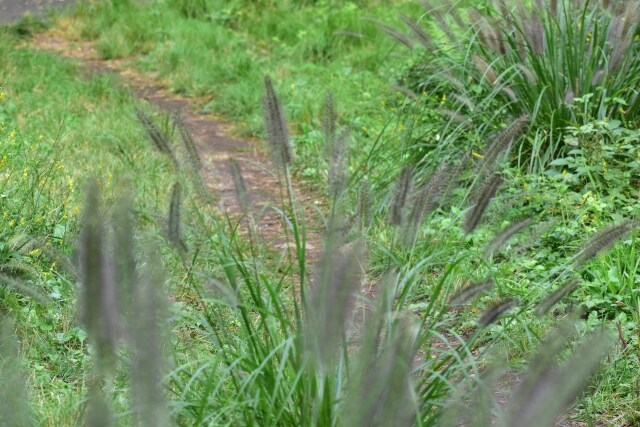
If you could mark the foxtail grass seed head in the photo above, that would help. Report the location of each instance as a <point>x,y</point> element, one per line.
<point>401,195</point>
<point>19,285</point>
<point>97,300</point>
<point>502,142</point>
<point>156,136</point>
<point>276,127</point>
<point>174,226</point>
<point>547,304</point>
<point>123,252</point>
<point>242,195</point>
<point>396,35</point>
<point>603,239</point>
<point>497,310</point>
<point>418,33</point>
<point>485,69</point>
<point>382,392</point>
<point>483,199</point>
<point>549,388</point>
<point>501,239</point>
<point>338,166</point>
<point>187,141</point>
<point>469,292</point>
<point>329,126</point>
<point>332,297</point>
<point>14,399</point>
<point>427,200</point>
<point>597,77</point>
<point>148,345</point>
<point>364,205</point>
<point>99,412</point>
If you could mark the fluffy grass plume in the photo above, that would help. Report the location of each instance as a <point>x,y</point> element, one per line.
<point>547,304</point>
<point>156,136</point>
<point>497,310</point>
<point>505,235</point>
<point>174,228</point>
<point>602,239</point>
<point>502,142</point>
<point>148,345</point>
<point>427,200</point>
<point>401,195</point>
<point>276,126</point>
<point>14,400</point>
<point>550,387</point>
<point>483,199</point>
<point>22,286</point>
<point>97,300</point>
<point>470,291</point>
<point>242,195</point>
<point>382,391</point>
<point>187,141</point>
<point>332,297</point>
<point>364,205</point>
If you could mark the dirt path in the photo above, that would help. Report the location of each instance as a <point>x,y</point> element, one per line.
<point>214,141</point>
<point>12,10</point>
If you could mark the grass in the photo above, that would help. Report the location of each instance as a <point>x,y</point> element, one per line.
<point>244,328</point>
<point>329,46</point>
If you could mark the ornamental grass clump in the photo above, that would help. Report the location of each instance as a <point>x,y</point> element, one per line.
<point>560,62</point>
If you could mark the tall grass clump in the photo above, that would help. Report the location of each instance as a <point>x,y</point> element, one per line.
<point>311,345</point>
<point>559,62</point>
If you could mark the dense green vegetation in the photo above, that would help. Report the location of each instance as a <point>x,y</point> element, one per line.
<point>482,187</point>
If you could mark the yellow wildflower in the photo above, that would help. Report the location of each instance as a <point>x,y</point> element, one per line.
<point>35,252</point>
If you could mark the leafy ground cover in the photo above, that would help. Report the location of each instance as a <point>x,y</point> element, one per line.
<point>240,320</point>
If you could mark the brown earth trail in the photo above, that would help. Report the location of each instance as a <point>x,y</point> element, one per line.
<point>215,144</point>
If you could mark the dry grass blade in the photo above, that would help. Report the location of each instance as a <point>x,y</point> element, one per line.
<point>469,292</point>
<point>187,140</point>
<point>276,126</point>
<point>497,310</point>
<point>485,195</point>
<point>505,235</point>
<point>158,137</point>
<point>545,305</point>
